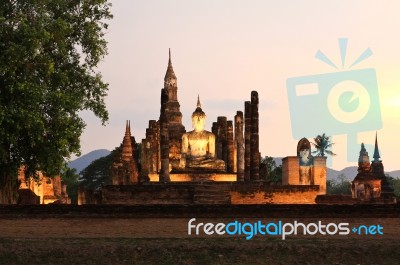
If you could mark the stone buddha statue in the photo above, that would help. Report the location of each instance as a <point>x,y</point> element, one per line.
<point>198,146</point>
<point>306,162</point>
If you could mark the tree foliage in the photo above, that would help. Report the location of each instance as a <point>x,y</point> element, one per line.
<point>49,53</point>
<point>70,178</point>
<point>322,143</point>
<point>269,171</point>
<point>394,183</point>
<point>98,172</point>
<point>338,186</point>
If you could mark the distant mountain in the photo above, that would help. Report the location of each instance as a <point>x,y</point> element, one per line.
<point>348,172</point>
<point>278,161</point>
<point>395,174</point>
<point>351,172</point>
<point>85,160</point>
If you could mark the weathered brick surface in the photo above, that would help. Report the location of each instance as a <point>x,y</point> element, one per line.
<point>186,192</point>
<point>147,194</point>
<point>290,170</point>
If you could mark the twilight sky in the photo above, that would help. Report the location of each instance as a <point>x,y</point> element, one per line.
<point>224,49</point>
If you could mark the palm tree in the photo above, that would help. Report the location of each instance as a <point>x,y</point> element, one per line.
<point>322,143</point>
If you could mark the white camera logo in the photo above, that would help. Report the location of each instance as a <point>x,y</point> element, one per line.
<point>359,93</point>
<point>344,102</point>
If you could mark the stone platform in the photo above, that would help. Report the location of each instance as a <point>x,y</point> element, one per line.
<point>207,192</point>
<point>197,177</point>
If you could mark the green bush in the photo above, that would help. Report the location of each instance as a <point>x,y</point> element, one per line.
<point>340,185</point>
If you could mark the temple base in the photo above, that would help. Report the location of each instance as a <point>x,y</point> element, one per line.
<point>196,177</point>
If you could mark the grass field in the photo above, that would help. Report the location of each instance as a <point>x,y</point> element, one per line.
<point>197,251</point>
<point>159,235</point>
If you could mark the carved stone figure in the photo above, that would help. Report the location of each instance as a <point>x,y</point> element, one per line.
<point>303,152</point>
<point>305,162</point>
<point>198,146</point>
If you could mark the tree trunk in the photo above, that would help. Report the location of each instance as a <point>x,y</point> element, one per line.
<point>8,188</point>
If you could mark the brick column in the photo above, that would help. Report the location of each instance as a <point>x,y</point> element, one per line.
<point>254,139</point>
<point>164,139</point>
<point>239,145</point>
<point>247,131</point>
<point>230,147</point>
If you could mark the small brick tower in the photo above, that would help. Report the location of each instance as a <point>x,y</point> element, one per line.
<point>124,169</point>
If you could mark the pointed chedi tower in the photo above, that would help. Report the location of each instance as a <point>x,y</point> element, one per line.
<point>363,160</point>
<point>127,150</point>
<point>124,168</point>
<point>171,128</point>
<point>378,170</point>
<point>365,186</point>
<point>376,150</point>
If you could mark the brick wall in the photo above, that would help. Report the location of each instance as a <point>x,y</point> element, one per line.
<point>147,194</point>
<point>290,170</point>
<point>184,193</point>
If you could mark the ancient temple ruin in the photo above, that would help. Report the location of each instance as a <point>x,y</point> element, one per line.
<point>47,190</point>
<point>163,142</point>
<point>162,148</point>
<point>304,169</point>
<point>220,166</point>
<point>124,170</point>
<point>370,184</point>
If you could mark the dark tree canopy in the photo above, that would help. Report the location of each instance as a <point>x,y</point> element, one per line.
<point>269,171</point>
<point>49,51</point>
<point>340,185</point>
<point>98,172</point>
<point>70,178</point>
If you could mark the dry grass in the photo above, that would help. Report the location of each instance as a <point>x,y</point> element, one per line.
<point>165,241</point>
<point>197,251</point>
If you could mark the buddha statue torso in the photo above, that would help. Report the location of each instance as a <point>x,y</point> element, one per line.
<point>198,146</point>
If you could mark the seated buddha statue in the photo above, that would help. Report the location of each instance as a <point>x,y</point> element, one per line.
<point>198,146</point>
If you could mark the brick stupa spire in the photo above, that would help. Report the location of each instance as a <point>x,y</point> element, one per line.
<point>124,170</point>
<point>170,74</point>
<point>127,143</point>
<point>170,124</point>
<point>376,151</point>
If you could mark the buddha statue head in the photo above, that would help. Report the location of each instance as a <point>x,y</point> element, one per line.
<point>304,152</point>
<point>198,118</point>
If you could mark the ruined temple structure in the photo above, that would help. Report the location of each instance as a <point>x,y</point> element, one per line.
<point>48,190</point>
<point>224,146</point>
<point>304,169</point>
<point>163,141</point>
<point>240,150</point>
<point>252,156</point>
<point>161,149</point>
<point>124,169</point>
<point>370,184</point>
<point>220,166</point>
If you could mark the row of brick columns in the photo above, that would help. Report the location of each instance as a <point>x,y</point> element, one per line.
<point>243,160</point>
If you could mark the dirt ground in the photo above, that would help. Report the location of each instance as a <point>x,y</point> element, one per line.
<point>76,240</point>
